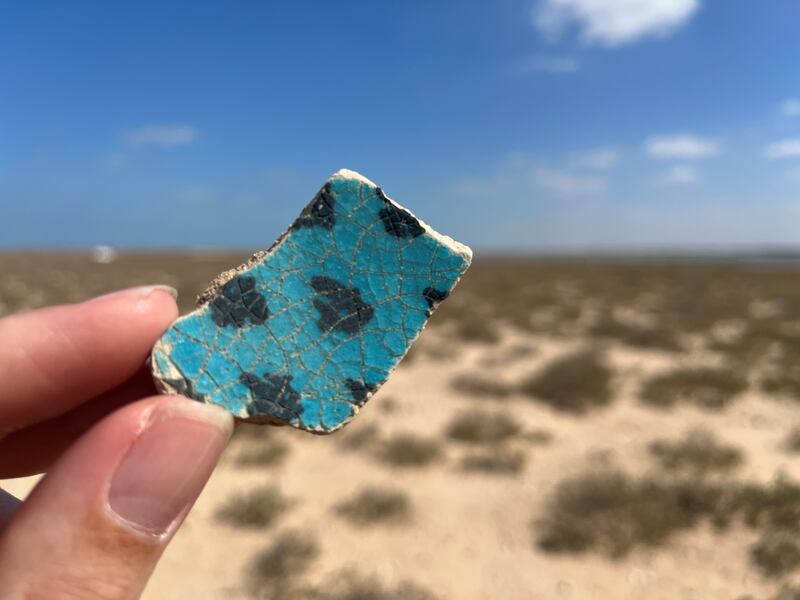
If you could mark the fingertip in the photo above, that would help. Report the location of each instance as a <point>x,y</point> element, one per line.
<point>160,300</point>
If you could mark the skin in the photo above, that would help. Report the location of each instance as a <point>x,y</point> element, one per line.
<point>75,403</point>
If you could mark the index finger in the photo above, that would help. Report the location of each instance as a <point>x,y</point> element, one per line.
<point>54,359</point>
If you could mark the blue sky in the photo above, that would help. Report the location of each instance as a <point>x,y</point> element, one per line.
<point>509,124</point>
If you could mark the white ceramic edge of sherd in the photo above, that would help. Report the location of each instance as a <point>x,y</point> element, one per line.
<point>445,240</point>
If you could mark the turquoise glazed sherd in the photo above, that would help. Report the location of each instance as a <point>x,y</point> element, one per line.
<point>305,332</point>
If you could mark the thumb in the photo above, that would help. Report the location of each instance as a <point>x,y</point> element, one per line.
<point>96,525</point>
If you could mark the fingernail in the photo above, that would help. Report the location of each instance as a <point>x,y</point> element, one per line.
<point>140,292</point>
<point>167,466</point>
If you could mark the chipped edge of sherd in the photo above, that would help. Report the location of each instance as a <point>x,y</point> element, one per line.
<point>220,280</point>
<point>445,240</point>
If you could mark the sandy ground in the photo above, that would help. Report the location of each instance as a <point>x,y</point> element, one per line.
<point>470,538</point>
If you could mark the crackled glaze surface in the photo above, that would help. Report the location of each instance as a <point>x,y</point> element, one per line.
<point>305,333</point>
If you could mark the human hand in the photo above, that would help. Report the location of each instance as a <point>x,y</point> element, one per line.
<point>124,465</point>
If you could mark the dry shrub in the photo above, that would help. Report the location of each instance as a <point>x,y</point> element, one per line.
<point>650,338</point>
<point>479,330</point>
<point>482,427</point>
<point>792,441</point>
<point>706,387</point>
<point>350,585</point>
<point>273,572</point>
<point>269,453</point>
<point>251,431</point>
<point>540,437</point>
<point>259,508</point>
<point>407,449</point>
<point>612,513</point>
<point>575,383</point>
<point>358,436</point>
<point>785,382</point>
<point>388,405</point>
<point>499,460</point>
<point>373,505</point>
<point>479,386</point>
<point>697,453</point>
<point>776,553</point>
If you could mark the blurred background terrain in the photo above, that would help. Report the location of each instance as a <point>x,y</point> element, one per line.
<point>564,428</point>
<point>606,407</point>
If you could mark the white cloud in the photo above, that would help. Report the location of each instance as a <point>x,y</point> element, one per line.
<point>564,183</point>
<point>613,22</point>
<point>791,107</point>
<point>788,148</point>
<point>680,174</point>
<point>599,158</point>
<point>162,135</point>
<point>549,64</point>
<point>682,146</point>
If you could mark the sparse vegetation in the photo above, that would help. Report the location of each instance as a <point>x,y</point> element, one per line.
<point>350,585</point>
<point>388,405</point>
<point>480,330</point>
<point>706,387</point>
<point>373,505</point>
<point>251,431</point>
<point>269,453</point>
<point>575,383</point>
<point>792,440</point>
<point>613,513</point>
<point>650,338</point>
<point>698,453</point>
<point>258,509</point>
<point>749,317</point>
<point>498,460</point>
<point>482,427</point>
<point>777,553</point>
<point>786,383</point>
<point>479,386</point>
<point>540,437</point>
<point>407,449</point>
<point>358,435</point>
<point>786,592</point>
<point>272,572</point>
<point>776,506</point>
